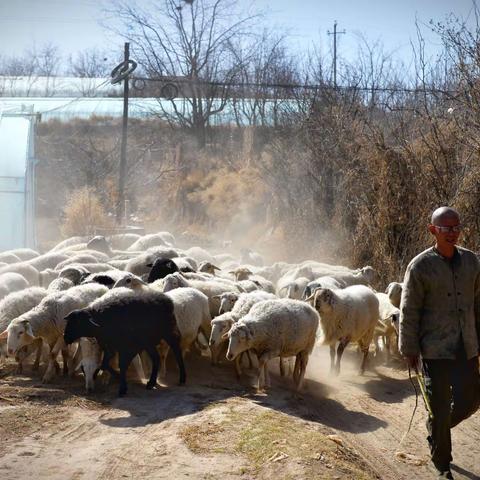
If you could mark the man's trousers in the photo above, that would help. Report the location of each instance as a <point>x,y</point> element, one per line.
<point>453,389</point>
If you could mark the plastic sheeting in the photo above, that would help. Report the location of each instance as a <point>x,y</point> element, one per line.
<point>16,182</point>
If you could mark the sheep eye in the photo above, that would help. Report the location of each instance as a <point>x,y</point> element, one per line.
<point>129,281</point>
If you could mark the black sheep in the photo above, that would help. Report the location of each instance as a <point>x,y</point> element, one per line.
<point>161,268</point>
<point>128,324</point>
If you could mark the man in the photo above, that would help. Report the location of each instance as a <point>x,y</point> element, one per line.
<point>440,320</point>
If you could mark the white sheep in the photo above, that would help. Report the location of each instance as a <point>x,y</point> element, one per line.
<point>90,357</point>
<point>14,305</point>
<point>211,288</point>
<point>122,241</point>
<point>11,282</point>
<point>152,240</point>
<point>387,325</point>
<point>8,257</point>
<point>23,253</point>
<point>348,315</point>
<point>46,320</point>
<point>322,282</point>
<point>394,292</point>
<point>276,328</point>
<point>78,258</point>
<point>233,307</point>
<point>294,289</point>
<point>199,254</point>
<point>31,274</point>
<point>60,284</point>
<point>47,260</point>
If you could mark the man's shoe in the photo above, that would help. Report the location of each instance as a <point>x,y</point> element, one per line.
<point>442,471</point>
<point>445,474</point>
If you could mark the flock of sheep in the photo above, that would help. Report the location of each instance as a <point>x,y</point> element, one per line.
<point>106,303</point>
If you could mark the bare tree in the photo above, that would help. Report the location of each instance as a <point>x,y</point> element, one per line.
<point>188,43</point>
<point>90,63</point>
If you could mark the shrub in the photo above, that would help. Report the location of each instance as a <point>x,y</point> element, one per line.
<point>83,213</point>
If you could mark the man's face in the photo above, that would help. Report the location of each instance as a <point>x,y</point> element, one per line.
<point>446,231</point>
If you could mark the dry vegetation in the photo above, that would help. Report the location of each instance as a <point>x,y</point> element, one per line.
<point>346,176</point>
<point>266,439</point>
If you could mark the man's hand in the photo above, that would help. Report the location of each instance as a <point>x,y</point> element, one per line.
<point>412,361</point>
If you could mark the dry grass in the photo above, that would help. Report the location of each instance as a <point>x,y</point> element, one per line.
<point>83,212</point>
<point>275,445</point>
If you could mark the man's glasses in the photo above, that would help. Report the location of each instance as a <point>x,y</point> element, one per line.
<point>454,229</point>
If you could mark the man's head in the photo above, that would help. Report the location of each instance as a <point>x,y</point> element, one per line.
<point>445,227</point>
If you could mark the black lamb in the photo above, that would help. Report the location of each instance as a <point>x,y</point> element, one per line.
<point>128,324</point>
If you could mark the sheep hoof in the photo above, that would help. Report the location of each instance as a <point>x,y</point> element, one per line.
<point>151,386</point>
<point>122,393</point>
<point>19,368</point>
<point>35,367</point>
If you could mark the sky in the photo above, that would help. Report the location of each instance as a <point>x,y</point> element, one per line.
<point>74,25</point>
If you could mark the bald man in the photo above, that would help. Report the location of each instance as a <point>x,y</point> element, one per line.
<point>440,323</point>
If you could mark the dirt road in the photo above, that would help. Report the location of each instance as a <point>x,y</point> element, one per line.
<point>346,427</point>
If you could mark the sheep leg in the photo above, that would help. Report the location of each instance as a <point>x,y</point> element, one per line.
<point>59,345</point>
<point>124,361</point>
<point>262,372</point>
<point>266,375</point>
<point>107,357</point>
<point>341,347</point>
<point>66,360</point>
<point>387,347</point>
<point>364,359</point>
<point>282,368</point>
<point>137,365</point>
<point>296,369</point>
<point>238,365</point>
<point>174,344</point>
<point>155,358</point>
<point>250,363</point>
<point>332,358</point>
<point>74,361</point>
<point>163,350</point>
<point>38,355</point>
<point>302,359</point>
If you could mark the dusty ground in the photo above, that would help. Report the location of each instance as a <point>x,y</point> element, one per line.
<point>215,427</point>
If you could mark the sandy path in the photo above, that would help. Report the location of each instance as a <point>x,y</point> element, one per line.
<point>138,437</point>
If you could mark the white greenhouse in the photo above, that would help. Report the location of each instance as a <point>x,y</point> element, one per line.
<point>17,170</point>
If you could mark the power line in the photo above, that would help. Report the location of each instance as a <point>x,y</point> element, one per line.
<point>299,86</point>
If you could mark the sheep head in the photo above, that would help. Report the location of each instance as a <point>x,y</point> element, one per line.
<point>19,334</point>
<point>240,339</point>
<point>324,299</point>
<point>227,301</point>
<point>79,323</point>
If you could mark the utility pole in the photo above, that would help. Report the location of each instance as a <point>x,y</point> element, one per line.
<point>335,33</point>
<point>123,152</point>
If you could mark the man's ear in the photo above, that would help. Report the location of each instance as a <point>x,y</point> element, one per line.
<point>431,229</point>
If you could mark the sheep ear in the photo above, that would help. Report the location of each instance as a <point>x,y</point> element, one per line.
<point>28,328</point>
<point>217,297</point>
<point>4,335</point>
<point>149,265</point>
<point>310,297</point>
<point>215,267</point>
<point>331,300</point>
<point>93,323</point>
<point>232,272</point>
<point>225,336</point>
